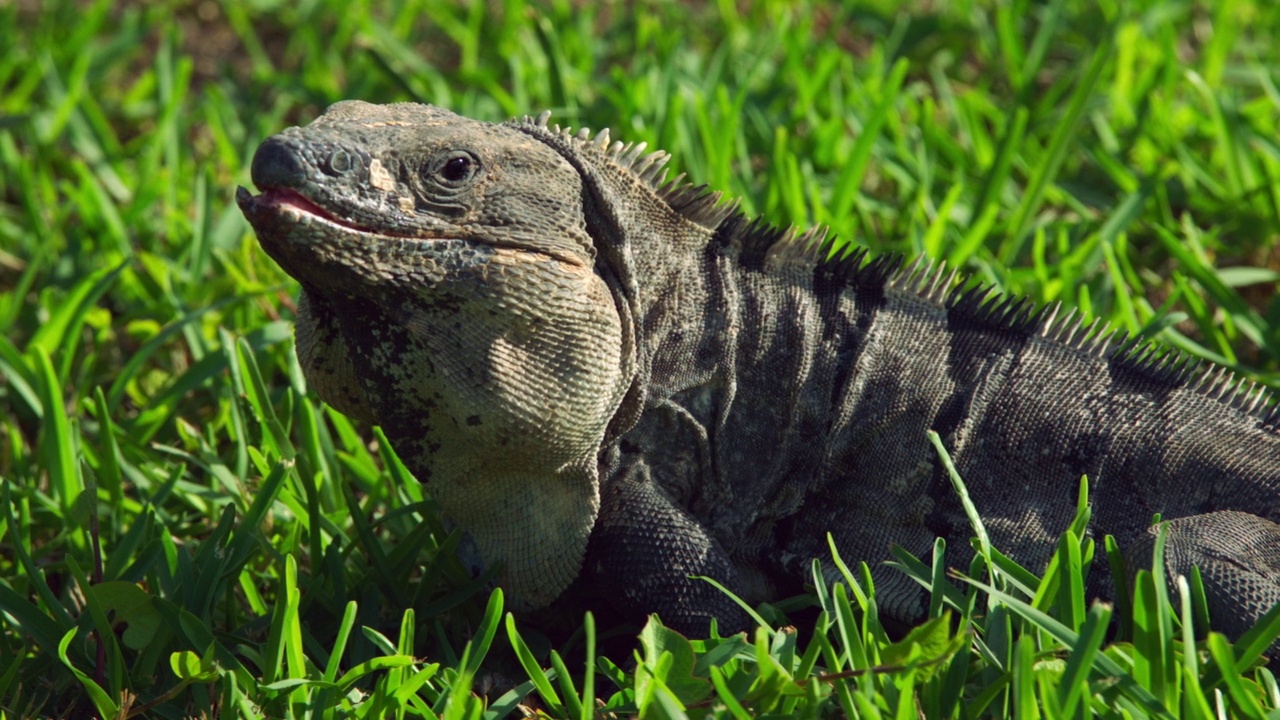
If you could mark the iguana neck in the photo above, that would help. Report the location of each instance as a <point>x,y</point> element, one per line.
<point>506,448</point>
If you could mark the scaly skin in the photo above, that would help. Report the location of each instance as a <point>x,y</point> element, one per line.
<point>616,383</point>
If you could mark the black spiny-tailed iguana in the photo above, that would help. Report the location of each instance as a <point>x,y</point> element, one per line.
<point>607,378</point>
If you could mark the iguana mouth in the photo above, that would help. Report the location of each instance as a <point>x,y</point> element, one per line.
<point>284,206</point>
<point>289,196</point>
<point>273,201</point>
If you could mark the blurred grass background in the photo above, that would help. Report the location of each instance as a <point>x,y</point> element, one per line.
<point>188,531</point>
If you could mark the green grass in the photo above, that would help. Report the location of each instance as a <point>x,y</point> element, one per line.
<point>187,532</point>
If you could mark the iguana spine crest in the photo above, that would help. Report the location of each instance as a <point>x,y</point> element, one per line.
<point>981,303</point>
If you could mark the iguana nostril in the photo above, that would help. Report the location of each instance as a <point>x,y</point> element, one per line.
<point>276,164</point>
<point>339,162</point>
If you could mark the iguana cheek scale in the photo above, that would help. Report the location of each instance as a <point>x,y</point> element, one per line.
<point>613,382</point>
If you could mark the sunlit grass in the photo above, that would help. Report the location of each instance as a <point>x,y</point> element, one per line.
<point>186,531</point>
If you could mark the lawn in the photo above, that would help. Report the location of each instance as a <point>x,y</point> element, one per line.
<point>187,531</point>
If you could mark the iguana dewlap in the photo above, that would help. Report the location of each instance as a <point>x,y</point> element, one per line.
<point>607,378</point>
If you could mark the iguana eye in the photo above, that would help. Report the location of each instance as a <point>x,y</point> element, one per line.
<point>456,168</point>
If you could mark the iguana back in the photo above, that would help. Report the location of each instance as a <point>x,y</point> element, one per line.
<point>611,379</point>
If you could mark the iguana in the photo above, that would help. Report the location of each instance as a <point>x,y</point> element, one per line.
<point>613,381</point>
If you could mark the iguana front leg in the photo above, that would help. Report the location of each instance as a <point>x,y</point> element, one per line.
<point>644,550</point>
<point>1238,554</point>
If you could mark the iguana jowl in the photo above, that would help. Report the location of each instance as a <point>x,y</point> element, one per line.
<point>607,378</point>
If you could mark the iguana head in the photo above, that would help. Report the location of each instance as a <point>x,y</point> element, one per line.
<point>451,294</point>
